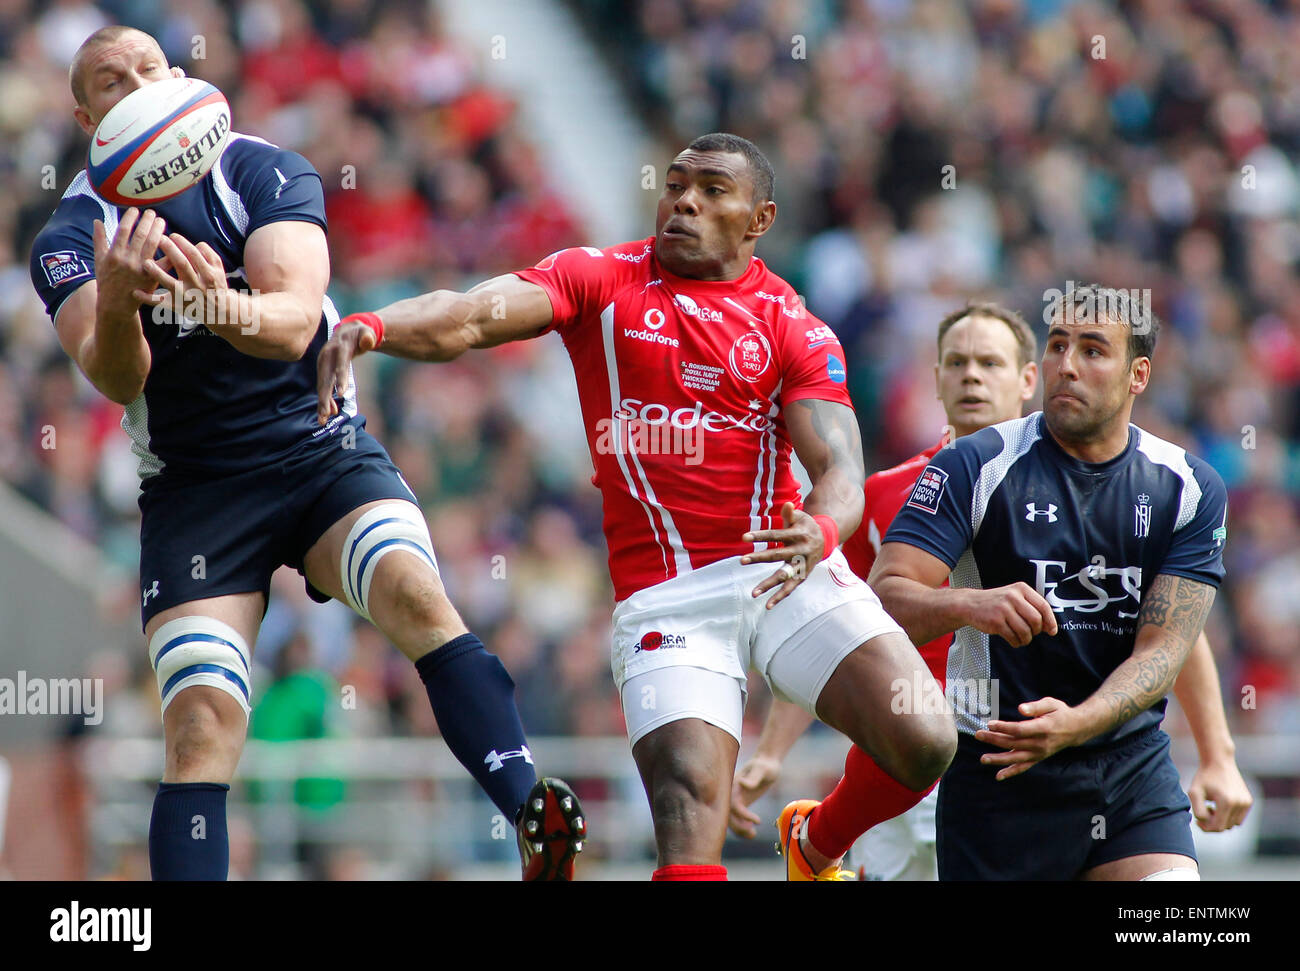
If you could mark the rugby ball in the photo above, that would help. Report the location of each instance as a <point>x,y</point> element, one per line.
<point>158,141</point>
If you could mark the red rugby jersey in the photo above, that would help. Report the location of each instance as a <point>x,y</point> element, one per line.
<point>682,385</point>
<point>886,491</point>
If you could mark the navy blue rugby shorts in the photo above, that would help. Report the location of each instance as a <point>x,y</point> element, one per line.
<point>1069,813</point>
<point>246,526</point>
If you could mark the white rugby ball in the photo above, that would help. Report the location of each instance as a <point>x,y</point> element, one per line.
<point>158,141</point>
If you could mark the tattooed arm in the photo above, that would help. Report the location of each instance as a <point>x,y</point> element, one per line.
<point>1172,615</point>
<point>826,439</point>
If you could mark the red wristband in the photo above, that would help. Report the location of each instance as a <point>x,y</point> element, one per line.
<point>830,534</point>
<point>371,320</point>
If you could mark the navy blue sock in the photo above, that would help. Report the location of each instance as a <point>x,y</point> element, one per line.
<point>187,832</point>
<point>473,700</point>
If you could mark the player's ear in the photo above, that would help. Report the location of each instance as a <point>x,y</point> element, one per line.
<point>1028,381</point>
<point>938,392</point>
<point>1139,374</point>
<point>83,119</point>
<point>762,220</point>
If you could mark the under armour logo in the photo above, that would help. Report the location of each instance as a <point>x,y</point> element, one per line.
<point>497,760</point>
<point>151,592</point>
<point>1033,512</point>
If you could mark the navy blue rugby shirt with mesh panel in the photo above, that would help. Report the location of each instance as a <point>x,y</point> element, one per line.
<point>207,409</point>
<point>1007,504</point>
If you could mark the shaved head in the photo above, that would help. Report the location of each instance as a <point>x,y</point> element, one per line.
<point>92,49</point>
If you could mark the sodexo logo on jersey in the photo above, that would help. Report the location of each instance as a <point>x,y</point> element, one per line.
<point>689,306</point>
<point>1092,589</point>
<point>656,640</point>
<point>654,413</point>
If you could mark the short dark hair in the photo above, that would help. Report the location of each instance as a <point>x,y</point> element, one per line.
<point>760,169</point>
<point>1120,307</point>
<point>1026,343</point>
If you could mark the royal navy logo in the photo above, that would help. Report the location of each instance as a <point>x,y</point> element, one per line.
<point>1142,516</point>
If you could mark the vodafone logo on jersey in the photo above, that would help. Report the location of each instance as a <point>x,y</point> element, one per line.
<point>654,318</point>
<point>750,357</point>
<point>689,306</point>
<point>654,413</point>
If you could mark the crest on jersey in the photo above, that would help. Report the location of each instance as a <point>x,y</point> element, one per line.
<point>1142,516</point>
<point>928,490</point>
<point>63,266</point>
<point>751,356</point>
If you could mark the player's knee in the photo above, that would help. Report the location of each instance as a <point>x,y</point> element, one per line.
<point>931,745</point>
<point>416,601</point>
<point>204,727</point>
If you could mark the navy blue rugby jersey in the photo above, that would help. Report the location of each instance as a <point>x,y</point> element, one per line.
<point>1008,504</point>
<point>206,409</point>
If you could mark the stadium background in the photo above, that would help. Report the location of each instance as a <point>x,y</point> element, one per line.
<point>1145,145</point>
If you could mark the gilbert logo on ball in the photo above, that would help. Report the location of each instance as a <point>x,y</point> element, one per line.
<point>158,141</point>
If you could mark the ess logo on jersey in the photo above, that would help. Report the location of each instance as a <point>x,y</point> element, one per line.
<point>1089,590</point>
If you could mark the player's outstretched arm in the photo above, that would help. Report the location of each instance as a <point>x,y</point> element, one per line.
<point>99,325</point>
<point>287,266</point>
<point>908,580</point>
<point>826,439</point>
<point>436,326</point>
<point>784,724</point>
<point>1219,796</point>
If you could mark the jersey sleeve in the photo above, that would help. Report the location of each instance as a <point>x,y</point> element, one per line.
<point>577,281</point>
<point>277,185</point>
<point>936,515</point>
<point>63,255</point>
<point>813,362</point>
<point>1196,551</point>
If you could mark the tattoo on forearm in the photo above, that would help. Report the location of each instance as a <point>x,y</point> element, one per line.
<point>1178,607</point>
<point>837,428</point>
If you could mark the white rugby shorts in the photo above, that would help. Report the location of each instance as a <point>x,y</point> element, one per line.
<point>682,648</point>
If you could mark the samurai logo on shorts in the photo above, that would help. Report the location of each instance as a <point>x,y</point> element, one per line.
<point>928,490</point>
<point>654,640</point>
<point>751,356</point>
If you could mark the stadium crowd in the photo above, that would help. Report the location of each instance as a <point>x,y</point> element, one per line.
<point>926,151</point>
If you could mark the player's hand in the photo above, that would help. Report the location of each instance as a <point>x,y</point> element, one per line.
<point>1220,799</point>
<point>347,342</point>
<point>1017,613</point>
<point>801,547</point>
<point>120,265</point>
<point>197,290</point>
<point>754,778</point>
<point>1050,727</point>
